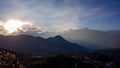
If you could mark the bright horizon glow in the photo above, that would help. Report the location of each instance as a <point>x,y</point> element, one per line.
<point>12,25</point>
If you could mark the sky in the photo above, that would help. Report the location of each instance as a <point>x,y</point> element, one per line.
<point>61,15</point>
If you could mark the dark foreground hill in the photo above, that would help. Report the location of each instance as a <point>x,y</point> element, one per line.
<point>12,59</point>
<point>27,43</point>
<point>61,61</point>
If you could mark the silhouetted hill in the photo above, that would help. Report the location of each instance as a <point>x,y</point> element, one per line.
<point>27,43</point>
<point>66,44</point>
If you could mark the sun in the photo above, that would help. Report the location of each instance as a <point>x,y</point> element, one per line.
<point>13,25</point>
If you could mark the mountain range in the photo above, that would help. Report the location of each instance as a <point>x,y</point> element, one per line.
<point>93,39</point>
<point>39,45</point>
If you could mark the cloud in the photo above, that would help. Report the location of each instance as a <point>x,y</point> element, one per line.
<point>53,14</point>
<point>2,29</point>
<point>26,27</point>
<point>64,27</point>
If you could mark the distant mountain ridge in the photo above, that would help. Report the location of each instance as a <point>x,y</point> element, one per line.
<point>90,38</point>
<point>27,43</point>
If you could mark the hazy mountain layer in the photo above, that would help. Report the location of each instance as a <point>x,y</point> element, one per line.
<point>89,38</point>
